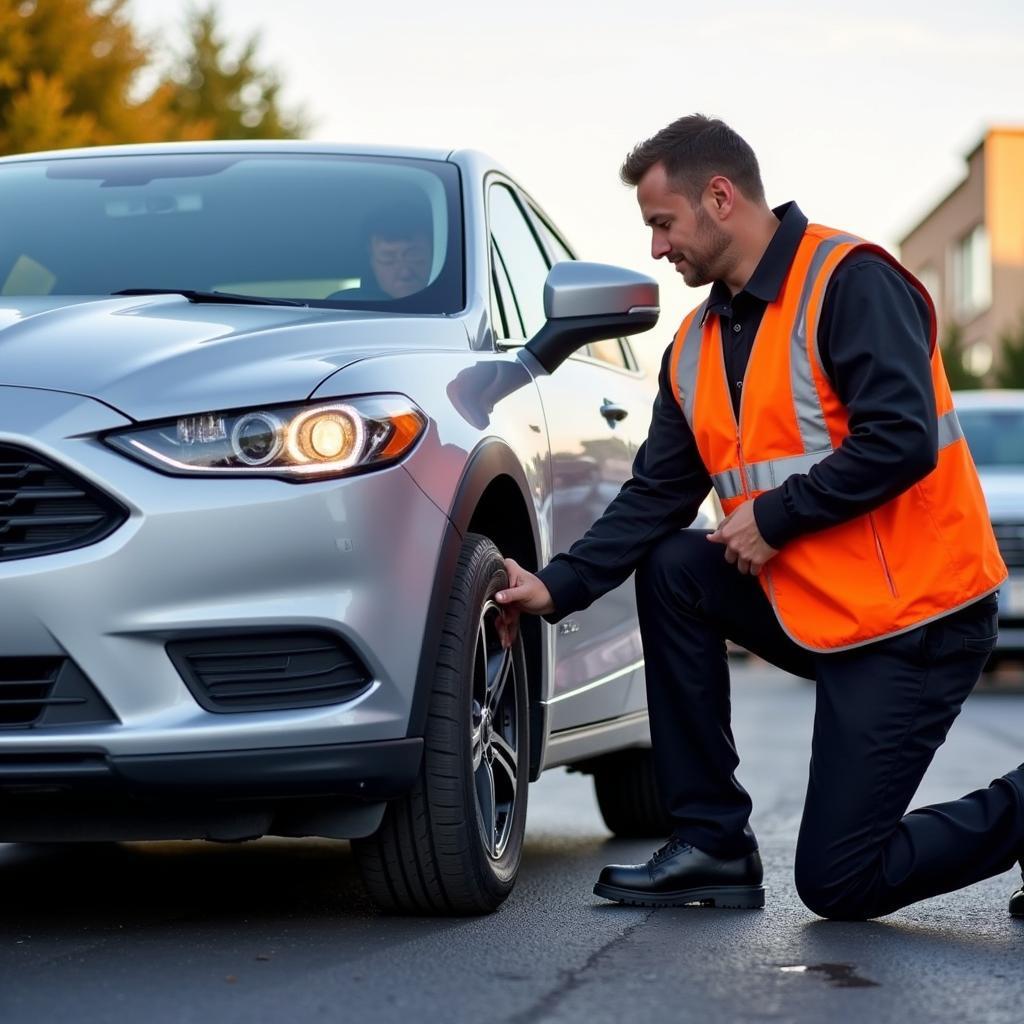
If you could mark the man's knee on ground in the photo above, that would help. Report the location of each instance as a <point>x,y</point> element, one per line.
<point>829,894</point>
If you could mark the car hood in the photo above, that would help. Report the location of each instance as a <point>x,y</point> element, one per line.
<point>158,356</point>
<point>1004,493</point>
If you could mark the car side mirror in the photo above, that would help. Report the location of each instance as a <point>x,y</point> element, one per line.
<point>586,302</point>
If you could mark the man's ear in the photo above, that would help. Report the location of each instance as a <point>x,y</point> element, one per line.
<point>720,196</point>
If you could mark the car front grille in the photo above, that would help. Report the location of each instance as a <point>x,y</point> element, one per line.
<point>45,509</point>
<point>265,672</point>
<point>1010,538</point>
<point>46,692</point>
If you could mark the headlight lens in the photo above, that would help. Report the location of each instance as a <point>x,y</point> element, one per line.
<point>297,442</point>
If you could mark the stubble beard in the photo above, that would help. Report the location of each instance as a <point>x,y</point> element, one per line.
<point>707,261</point>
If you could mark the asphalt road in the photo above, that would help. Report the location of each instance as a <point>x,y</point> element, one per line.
<point>281,931</point>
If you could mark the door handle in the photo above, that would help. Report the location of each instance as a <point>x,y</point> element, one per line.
<point>613,413</point>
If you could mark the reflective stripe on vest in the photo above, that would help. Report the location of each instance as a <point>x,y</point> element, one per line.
<point>771,473</point>
<point>686,374</point>
<point>810,417</point>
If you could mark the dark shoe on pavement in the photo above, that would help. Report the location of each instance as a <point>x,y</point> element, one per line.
<point>1017,903</point>
<point>679,874</point>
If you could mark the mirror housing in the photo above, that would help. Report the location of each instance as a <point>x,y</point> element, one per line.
<point>586,302</point>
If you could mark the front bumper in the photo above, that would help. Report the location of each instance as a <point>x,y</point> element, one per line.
<point>363,771</point>
<point>202,557</point>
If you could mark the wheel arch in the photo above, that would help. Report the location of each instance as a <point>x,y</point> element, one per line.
<point>493,498</point>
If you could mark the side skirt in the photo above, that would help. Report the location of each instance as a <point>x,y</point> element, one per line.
<point>588,741</point>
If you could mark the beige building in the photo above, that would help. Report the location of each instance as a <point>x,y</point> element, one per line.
<point>969,250</point>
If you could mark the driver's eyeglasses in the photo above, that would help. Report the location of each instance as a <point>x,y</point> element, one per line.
<point>388,255</point>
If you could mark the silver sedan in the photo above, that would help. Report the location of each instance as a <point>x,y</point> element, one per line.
<point>270,416</point>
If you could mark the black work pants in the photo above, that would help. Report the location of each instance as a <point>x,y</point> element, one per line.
<point>882,711</point>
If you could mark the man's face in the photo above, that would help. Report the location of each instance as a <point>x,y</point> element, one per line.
<point>686,236</point>
<point>401,266</point>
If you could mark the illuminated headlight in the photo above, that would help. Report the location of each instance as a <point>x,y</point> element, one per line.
<point>297,442</point>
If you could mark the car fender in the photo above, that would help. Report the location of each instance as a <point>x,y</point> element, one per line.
<point>485,421</point>
<point>491,460</point>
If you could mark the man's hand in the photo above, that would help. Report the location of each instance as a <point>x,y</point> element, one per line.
<point>744,545</point>
<point>525,593</point>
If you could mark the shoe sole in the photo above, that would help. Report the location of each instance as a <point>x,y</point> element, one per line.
<point>724,897</point>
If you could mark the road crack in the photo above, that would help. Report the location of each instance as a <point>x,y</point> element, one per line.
<point>570,980</point>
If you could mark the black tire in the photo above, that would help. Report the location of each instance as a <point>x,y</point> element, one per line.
<point>627,793</point>
<point>433,853</point>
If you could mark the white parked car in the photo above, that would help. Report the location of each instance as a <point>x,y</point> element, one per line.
<point>993,423</point>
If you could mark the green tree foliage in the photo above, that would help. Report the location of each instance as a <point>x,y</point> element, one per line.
<point>951,346</point>
<point>227,90</point>
<point>1010,371</point>
<point>78,73</point>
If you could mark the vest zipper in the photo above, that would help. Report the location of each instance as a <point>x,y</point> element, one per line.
<point>881,556</point>
<point>743,467</point>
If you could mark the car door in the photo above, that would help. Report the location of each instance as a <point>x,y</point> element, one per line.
<point>595,404</point>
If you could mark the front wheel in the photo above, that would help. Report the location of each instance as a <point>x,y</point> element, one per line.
<point>453,844</point>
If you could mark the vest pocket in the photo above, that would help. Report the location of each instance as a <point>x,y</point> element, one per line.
<point>881,556</point>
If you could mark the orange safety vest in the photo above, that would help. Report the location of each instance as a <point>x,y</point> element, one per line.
<point>915,558</point>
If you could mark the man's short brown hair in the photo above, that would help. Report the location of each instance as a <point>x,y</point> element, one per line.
<point>693,150</point>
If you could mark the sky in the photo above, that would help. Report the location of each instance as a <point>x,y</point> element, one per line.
<point>861,112</point>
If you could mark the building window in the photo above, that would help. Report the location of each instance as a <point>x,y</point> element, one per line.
<point>929,277</point>
<point>978,358</point>
<point>972,274</point>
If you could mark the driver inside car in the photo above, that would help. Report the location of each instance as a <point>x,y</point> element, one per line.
<point>399,253</point>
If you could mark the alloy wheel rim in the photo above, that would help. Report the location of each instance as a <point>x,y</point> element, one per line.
<point>494,734</point>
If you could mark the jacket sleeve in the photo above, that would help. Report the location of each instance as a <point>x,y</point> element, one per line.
<point>667,485</point>
<point>873,338</point>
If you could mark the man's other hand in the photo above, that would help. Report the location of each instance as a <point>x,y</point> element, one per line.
<point>744,545</point>
<point>525,593</point>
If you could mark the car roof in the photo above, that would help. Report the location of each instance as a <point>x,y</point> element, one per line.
<point>989,398</point>
<point>235,146</point>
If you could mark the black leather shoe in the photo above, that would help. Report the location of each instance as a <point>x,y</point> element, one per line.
<point>679,874</point>
<point>1017,903</point>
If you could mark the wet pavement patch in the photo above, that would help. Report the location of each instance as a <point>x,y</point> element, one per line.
<point>837,975</point>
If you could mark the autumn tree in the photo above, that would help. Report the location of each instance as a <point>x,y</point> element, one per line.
<point>78,73</point>
<point>228,88</point>
<point>68,76</point>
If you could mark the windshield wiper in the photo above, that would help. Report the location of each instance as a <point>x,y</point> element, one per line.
<point>198,296</point>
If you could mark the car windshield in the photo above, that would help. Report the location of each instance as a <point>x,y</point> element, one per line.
<point>994,436</point>
<point>357,232</point>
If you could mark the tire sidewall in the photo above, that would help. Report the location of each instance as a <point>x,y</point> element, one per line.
<point>484,578</point>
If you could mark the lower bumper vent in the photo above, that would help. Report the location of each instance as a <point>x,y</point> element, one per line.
<point>43,692</point>
<point>269,672</point>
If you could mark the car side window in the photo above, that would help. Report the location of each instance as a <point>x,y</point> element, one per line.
<point>557,249</point>
<point>630,355</point>
<point>609,351</point>
<point>519,251</point>
<point>504,314</point>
